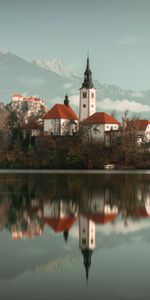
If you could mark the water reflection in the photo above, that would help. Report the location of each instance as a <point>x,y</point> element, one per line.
<point>28,204</point>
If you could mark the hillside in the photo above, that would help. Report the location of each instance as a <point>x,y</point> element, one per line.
<point>52,79</point>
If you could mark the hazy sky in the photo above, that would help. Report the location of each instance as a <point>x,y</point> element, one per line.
<point>116,32</point>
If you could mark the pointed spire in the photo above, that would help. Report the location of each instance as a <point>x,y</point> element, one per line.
<point>88,63</point>
<point>66,234</point>
<point>66,100</point>
<point>87,254</point>
<point>87,83</point>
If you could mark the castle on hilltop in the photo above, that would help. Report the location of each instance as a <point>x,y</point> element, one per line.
<point>30,106</point>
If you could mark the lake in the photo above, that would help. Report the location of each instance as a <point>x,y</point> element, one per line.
<point>74,236</point>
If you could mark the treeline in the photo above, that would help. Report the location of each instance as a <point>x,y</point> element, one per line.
<point>18,193</point>
<point>68,153</point>
<point>20,150</point>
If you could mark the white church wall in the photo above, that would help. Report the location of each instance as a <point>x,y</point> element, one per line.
<point>88,103</point>
<point>109,127</point>
<point>52,126</point>
<point>86,233</point>
<point>60,127</point>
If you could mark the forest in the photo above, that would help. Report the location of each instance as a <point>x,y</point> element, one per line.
<point>19,149</point>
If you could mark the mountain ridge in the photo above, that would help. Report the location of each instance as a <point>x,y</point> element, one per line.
<point>52,79</point>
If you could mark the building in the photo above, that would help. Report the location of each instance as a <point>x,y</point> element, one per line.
<point>87,106</point>
<point>30,106</point>
<point>108,215</point>
<point>100,127</point>
<point>141,128</point>
<point>87,238</point>
<point>61,120</point>
<point>60,216</point>
<point>28,224</point>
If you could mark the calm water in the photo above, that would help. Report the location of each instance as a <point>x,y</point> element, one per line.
<point>74,236</point>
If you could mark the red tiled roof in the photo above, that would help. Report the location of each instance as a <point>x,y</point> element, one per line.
<point>60,225</point>
<point>101,118</point>
<point>143,213</point>
<point>142,124</point>
<point>61,111</point>
<point>28,99</point>
<point>102,218</point>
<point>138,124</point>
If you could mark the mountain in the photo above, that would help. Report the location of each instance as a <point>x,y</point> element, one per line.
<point>21,76</point>
<point>51,80</point>
<point>55,65</point>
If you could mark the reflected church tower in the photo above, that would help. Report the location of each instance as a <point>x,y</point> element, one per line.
<point>86,241</point>
<point>87,105</point>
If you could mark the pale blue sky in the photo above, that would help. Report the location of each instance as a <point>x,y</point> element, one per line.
<point>116,32</point>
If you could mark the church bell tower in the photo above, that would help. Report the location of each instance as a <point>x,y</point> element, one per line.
<point>87,95</point>
<point>87,238</point>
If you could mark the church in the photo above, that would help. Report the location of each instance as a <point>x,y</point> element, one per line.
<point>61,120</point>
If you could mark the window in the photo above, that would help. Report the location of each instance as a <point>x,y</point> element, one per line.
<point>83,230</point>
<point>83,241</point>
<point>92,105</point>
<point>92,95</point>
<point>84,105</point>
<point>91,241</point>
<point>84,95</point>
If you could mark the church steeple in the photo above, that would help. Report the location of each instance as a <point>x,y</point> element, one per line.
<point>87,254</point>
<point>86,241</point>
<point>87,105</point>
<point>66,234</point>
<point>88,83</point>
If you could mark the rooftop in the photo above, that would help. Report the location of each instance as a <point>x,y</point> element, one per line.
<point>61,111</point>
<point>60,225</point>
<point>101,118</point>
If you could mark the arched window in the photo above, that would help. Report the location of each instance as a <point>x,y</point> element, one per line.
<point>84,95</point>
<point>83,241</point>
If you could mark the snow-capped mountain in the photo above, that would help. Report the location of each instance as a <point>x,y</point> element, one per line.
<point>52,80</point>
<point>20,76</point>
<point>55,65</point>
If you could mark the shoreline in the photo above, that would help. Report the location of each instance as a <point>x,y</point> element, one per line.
<point>74,171</point>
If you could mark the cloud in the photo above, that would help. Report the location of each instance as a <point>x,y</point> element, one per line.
<point>28,94</point>
<point>109,104</point>
<point>56,100</point>
<point>74,233</point>
<point>128,40</point>
<point>67,85</point>
<point>122,105</point>
<point>137,94</point>
<point>74,100</point>
<point>120,228</point>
